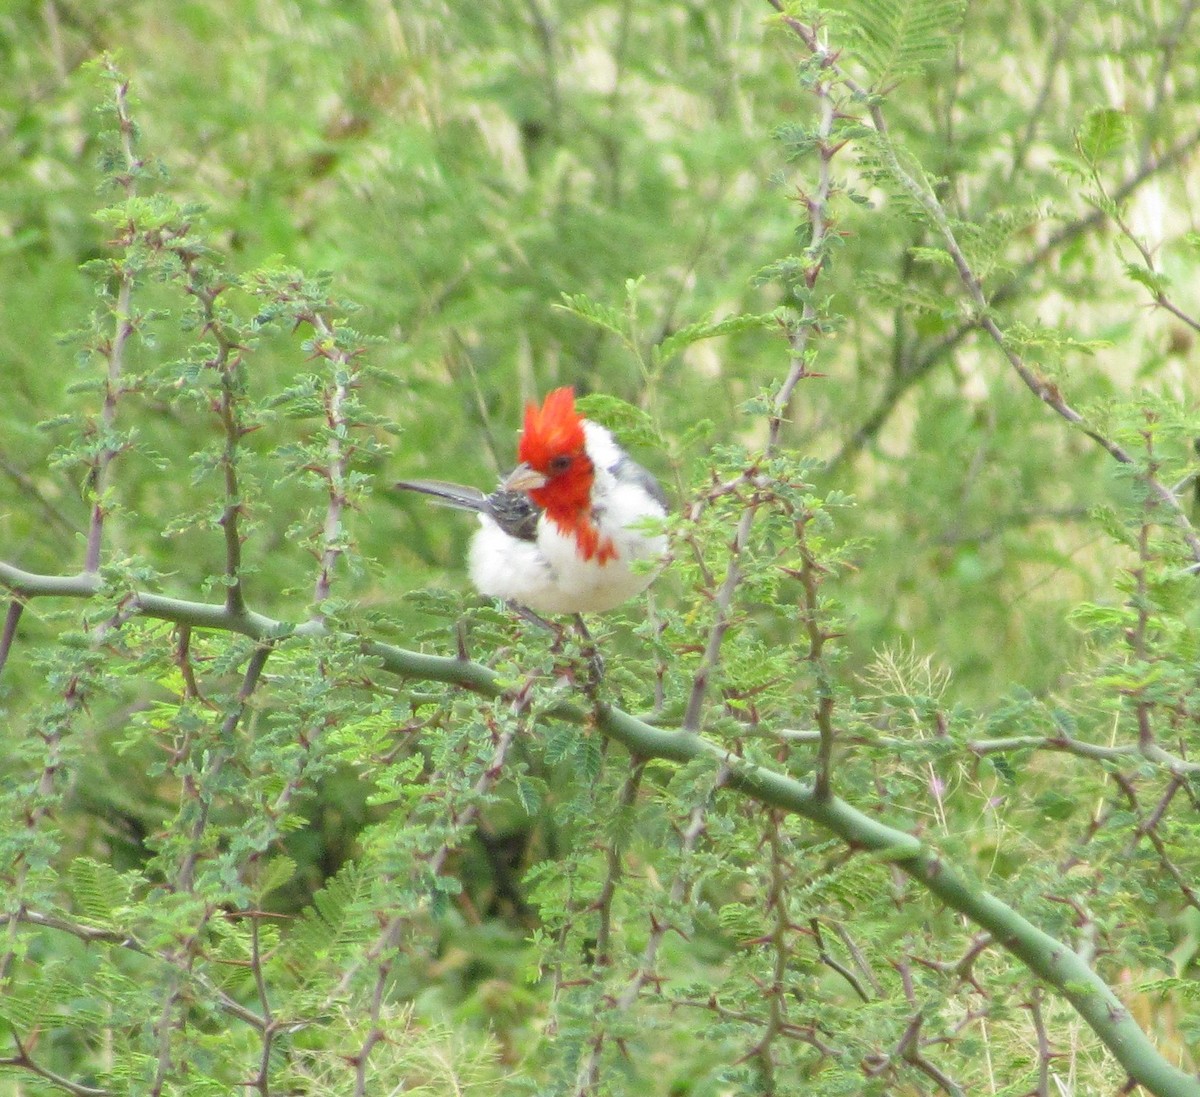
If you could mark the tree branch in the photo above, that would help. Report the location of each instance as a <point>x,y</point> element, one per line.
<point>941,348</point>
<point>114,346</point>
<point>799,337</point>
<point>1051,960</point>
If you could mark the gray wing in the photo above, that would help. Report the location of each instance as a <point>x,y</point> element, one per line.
<point>630,471</point>
<point>513,511</point>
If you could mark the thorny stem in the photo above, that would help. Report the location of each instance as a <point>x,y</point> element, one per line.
<point>98,480</point>
<point>1045,390</point>
<point>860,960</point>
<point>807,1034</point>
<point>1069,745</point>
<point>262,1081</point>
<point>1045,1054</point>
<point>227,363</point>
<point>181,959</point>
<point>337,456</point>
<point>1137,638</point>
<point>183,660</point>
<point>588,1076</point>
<point>230,520</point>
<point>612,868</point>
<point>833,963</point>
<point>799,338</point>
<point>186,877</point>
<point>383,952</point>
<point>810,584</point>
<point>780,874</point>
<point>1148,828</point>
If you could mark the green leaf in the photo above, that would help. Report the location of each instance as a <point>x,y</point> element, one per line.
<point>97,889</point>
<point>279,871</point>
<point>709,329</point>
<point>1156,283</point>
<point>602,316</point>
<point>1103,132</point>
<point>899,38</point>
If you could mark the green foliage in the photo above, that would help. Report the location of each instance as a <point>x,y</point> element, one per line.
<point>248,844</point>
<point>900,38</point>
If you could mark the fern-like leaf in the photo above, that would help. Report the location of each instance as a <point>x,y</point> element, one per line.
<point>707,329</point>
<point>97,889</point>
<point>338,918</point>
<point>899,38</point>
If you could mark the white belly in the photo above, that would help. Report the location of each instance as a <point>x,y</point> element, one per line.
<point>549,575</point>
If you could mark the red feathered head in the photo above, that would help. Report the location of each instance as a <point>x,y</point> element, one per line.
<point>554,430</point>
<point>554,444</point>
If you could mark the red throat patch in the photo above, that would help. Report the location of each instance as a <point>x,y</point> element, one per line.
<point>588,539</point>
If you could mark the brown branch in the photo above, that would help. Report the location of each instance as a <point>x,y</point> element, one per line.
<point>780,933</point>
<point>114,347</point>
<point>588,1076</point>
<point>612,867</point>
<point>1148,828</point>
<point>25,1061</point>
<point>810,585</point>
<point>834,964</point>
<point>799,337</point>
<point>337,455</point>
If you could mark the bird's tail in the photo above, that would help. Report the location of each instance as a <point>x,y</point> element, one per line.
<point>447,494</point>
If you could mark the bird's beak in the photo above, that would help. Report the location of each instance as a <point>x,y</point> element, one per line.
<point>523,478</point>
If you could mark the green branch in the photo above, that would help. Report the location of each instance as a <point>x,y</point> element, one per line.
<point>1048,958</point>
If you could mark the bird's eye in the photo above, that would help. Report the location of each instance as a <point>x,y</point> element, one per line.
<point>560,463</point>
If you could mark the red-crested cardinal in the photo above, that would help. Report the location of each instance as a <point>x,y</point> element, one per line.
<point>561,532</point>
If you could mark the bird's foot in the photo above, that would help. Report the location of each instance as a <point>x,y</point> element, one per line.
<point>527,614</point>
<point>591,653</point>
<point>592,658</point>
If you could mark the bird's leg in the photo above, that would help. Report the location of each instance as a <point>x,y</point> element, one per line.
<point>556,630</point>
<point>527,614</point>
<point>591,653</point>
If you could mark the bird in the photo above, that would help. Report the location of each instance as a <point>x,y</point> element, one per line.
<point>563,531</point>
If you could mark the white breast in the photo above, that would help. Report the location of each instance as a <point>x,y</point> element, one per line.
<point>549,575</point>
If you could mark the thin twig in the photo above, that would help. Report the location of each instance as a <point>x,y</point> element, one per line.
<point>799,337</point>
<point>1043,389</point>
<point>337,455</point>
<point>612,867</point>
<point>588,1075</point>
<point>98,479</point>
<point>26,1062</point>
